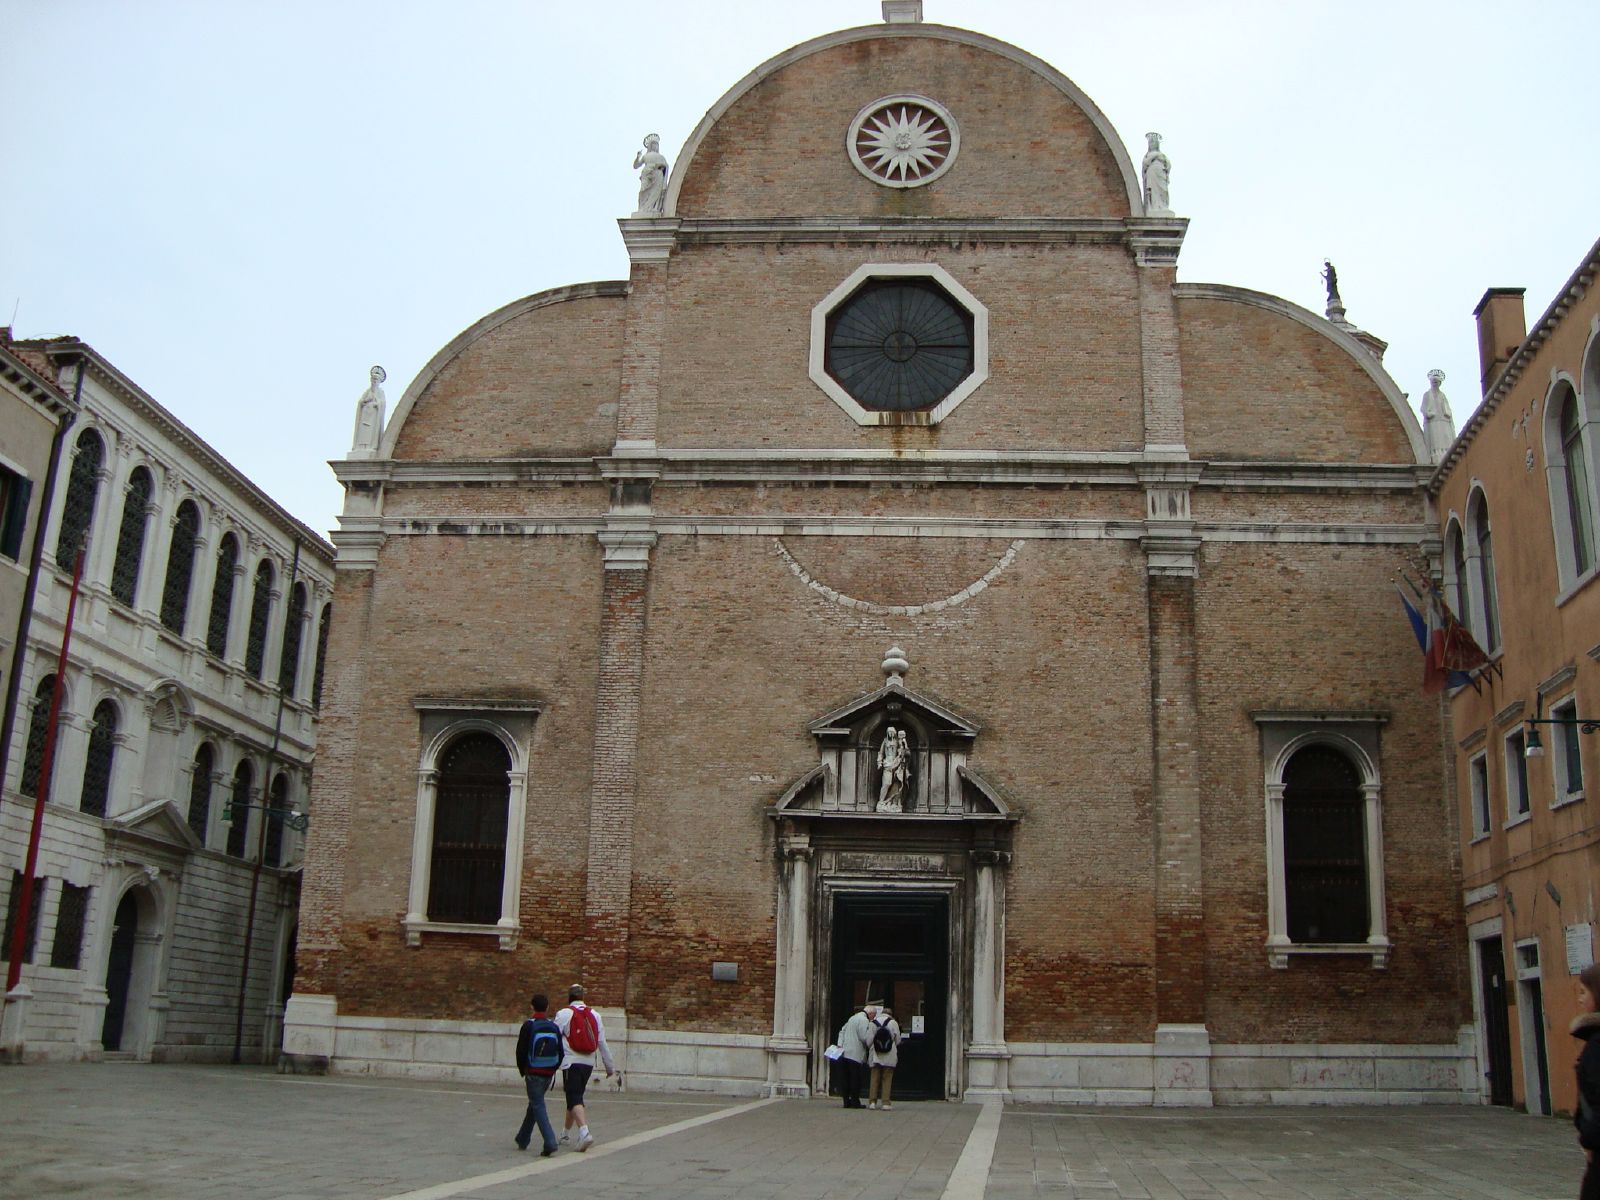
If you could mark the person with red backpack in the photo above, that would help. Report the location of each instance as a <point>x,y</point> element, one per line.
<point>585,1035</point>
<point>539,1053</point>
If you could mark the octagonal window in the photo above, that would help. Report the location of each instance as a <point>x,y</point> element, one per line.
<point>899,344</point>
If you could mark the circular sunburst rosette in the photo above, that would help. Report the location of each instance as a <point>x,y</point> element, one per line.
<point>903,141</point>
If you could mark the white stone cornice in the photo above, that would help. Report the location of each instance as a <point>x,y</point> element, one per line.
<point>649,239</point>
<point>1156,242</point>
<point>627,545</point>
<point>938,231</point>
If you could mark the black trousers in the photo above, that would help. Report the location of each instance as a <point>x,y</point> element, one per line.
<point>851,1077</point>
<point>1589,1189</point>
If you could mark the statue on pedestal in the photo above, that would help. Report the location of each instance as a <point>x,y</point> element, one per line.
<point>652,167</point>
<point>1157,173</point>
<point>369,417</point>
<point>1438,425</point>
<point>894,762</point>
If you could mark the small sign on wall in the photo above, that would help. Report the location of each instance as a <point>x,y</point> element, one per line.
<point>1580,947</point>
<point>919,1024</point>
<point>725,972</point>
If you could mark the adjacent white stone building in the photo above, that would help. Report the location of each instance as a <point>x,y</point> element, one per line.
<point>202,601</point>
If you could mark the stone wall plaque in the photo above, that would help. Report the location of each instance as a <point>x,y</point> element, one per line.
<point>1580,947</point>
<point>899,864</point>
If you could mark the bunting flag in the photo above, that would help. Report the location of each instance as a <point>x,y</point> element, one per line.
<point>1448,649</point>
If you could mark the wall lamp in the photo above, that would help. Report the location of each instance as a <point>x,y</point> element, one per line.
<point>1533,744</point>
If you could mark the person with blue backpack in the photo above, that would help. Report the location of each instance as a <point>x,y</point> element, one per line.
<point>538,1057</point>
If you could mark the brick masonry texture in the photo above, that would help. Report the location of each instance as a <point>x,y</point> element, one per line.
<point>1114,707</point>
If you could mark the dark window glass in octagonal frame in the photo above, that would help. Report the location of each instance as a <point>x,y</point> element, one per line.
<point>899,345</point>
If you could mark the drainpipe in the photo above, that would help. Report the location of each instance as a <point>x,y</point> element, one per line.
<point>19,651</point>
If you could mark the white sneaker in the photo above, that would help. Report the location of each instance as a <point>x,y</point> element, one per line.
<point>585,1142</point>
<point>887,1107</point>
<point>566,1139</point>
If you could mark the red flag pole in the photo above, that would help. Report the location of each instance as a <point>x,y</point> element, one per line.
<point>19,936</point>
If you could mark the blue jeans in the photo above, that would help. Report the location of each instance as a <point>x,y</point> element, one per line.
<point>538,1085</point>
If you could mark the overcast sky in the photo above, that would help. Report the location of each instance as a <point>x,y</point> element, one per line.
<point>244,205</point>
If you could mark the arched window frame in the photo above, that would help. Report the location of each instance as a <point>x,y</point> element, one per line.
<point>181,554</point>
<point>28,781</point>
<point>255,651</point>
<point>1573,485</point>
<point>100,759</point>
<point>138,498</point>
<point>1456,591</point>
<point>220,618</point>
<point>1480,572</point>
<point>202,771</point>
<point>294,619</point>
<point>443,721</point>
<point>241,794</point>
<point>82,492</point>
<point>323,623</point>
<point>1356,736</point>
<point>277,803</point>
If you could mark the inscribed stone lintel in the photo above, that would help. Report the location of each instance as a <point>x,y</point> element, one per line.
<point>920,864</point>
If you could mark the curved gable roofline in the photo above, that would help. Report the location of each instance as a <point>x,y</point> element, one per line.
<point>559,295</point>
<point>1304,316</point>
<point>966,37</point>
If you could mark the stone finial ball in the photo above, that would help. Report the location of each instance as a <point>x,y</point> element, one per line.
<point>895,662</point>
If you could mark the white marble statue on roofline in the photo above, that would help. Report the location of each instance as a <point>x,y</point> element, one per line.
<point>894,762</point>
<point>652,167</point>
<point>1438,425</point>
<point>369,417</point>
<point>1157,178</point>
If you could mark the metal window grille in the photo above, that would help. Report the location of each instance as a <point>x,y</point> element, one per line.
<point>255,651</point>
<point>1571,760</point>
<point>239,821</point>
<point>130,537</point>
<point>899,345</point>
<point>13,903</point>
<point>97,765</point>
<point>180,567</point>
<point>469,831</point>
<point>222,596</point>
<point>66,946</point>
<point>322,654</point>
<point>293,631</point>
<point>1575,475</point>
<point>1324,848</point>
<point>1491,600</point>
<point>38,724</point>
<point>78,510</point>
<point>200,792</point>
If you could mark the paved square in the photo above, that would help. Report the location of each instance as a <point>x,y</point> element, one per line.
<point>123,1130</point>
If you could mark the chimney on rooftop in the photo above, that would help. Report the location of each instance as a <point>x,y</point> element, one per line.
<point>1501,327</point>
<point>897,12</point>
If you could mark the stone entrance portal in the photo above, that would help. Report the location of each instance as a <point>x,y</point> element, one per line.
<point>891,830</point>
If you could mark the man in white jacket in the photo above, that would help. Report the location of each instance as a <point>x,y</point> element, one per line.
<point>582,1035</point>
<point>855,1036</point>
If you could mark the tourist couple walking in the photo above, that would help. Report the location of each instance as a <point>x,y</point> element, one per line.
<point>869,1042</point>
<point>568,1042</point>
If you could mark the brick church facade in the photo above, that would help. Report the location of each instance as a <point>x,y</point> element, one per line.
<point>901,444</point>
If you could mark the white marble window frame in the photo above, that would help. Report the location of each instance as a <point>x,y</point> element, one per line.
<point>1564,709</point>
<point>511,724</point>
<point>1356,736</point>
<point>1516,778</point>
<point>1478,791</point>
<point>1555,465</point>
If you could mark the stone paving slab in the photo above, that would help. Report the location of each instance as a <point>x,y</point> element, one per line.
<point>187,1132</point>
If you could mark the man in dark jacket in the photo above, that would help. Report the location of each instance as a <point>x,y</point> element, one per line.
<point>1586,1027</point>
<point>538,1056</point>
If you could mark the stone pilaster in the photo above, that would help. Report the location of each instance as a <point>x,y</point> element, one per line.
<point>988,1059</point>
<point>1155,246</point>
<point>649,241</point>
<point>789,1050</point>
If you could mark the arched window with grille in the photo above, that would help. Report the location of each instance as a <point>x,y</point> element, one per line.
<point>322,654</point>
<point>1324,848</point>
<point>97,764</point>
<point>1488,627</point>
<point>278,805</point>
<point>469,831</point>
<point>130,536</point>
<point>222,596</point>
<point>83,484</point>
<point>293,631</point>
<point>239,808</point>
<point>205,760</point>
<point>38,725</point>
<point>180,567</point>
<point>1457,591</point>
<point>255,649</point>
<point>1576,503</point>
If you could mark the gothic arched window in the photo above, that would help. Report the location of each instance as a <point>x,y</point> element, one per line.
<point>97,765</point>
<point>1324,848</point>
<point>1575,482</point>
<point>239,808</point>
<point>200,791</point>
<point>255,650</point>
<point>38,724</point>
<point>1488,596</point>
<point>83,483</point>
<point>293,631</point>
<point>180,567</point>
<point>130,536</point>
<point>469,831</point>
<point>222,596</point>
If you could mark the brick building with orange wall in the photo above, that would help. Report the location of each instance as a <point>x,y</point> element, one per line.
<point>1517,502</point>
<point>902,427</point>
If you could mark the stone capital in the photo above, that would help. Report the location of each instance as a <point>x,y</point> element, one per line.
<point>649,239</point>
